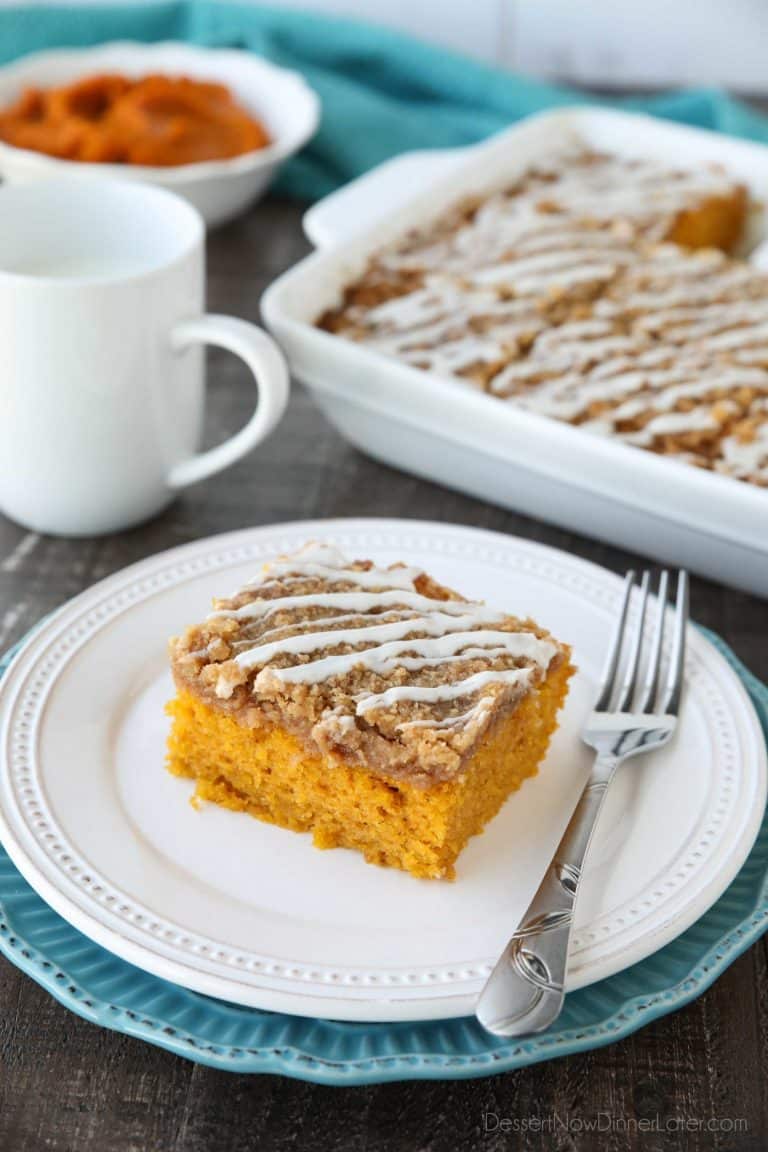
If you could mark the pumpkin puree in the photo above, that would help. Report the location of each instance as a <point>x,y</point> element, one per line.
<point>159,121</point>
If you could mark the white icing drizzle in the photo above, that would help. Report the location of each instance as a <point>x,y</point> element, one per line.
<point>748,456</point>
<point>537,270</point>
<point>327,563</point>
<point>578,192</point>
<point>344,618</point>
<point>671,343</point>
<point>387,656</point>
<point>472,715</point>
<point>355,602</point>
<point>435,624</point>
<point>738,337</point>
<point>697,420</point>
<point>451,357</point>
<point>436,692</point>
<point>425,633</point>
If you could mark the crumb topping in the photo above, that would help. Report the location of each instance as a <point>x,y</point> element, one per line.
<point>380,665</point>
<point>564,295</point>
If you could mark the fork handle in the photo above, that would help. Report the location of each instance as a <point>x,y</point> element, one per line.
<point>525,991</point>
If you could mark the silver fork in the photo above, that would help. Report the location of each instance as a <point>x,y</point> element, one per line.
<point>525,991</point>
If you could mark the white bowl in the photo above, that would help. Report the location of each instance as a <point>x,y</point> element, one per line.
<point>219,189</point>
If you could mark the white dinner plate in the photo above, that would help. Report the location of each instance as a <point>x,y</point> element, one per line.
<point>241,910</point>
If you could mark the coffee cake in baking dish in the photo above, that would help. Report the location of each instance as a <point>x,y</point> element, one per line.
<point>596,290</point>
<point>370,706</point>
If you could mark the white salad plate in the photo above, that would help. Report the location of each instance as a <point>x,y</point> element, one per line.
<point>445,430</point>
<point>226,905</point>
<point>219,189</point>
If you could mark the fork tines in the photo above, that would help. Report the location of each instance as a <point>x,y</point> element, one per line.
<point>618,690</point>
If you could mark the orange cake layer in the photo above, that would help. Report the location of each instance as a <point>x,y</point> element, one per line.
<point>372,707</point>
<point>596,290</point>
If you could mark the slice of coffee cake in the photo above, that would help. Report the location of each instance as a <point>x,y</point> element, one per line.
<point>370,706</point>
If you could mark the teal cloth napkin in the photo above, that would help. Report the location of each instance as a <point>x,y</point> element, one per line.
<point>382,93</point>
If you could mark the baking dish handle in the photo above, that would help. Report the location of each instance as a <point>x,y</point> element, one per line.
<point>376,194</point>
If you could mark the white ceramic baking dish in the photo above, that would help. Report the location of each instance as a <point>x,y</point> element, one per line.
<point>446,431</point>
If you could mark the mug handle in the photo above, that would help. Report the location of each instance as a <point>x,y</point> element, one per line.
<point>270,372</point>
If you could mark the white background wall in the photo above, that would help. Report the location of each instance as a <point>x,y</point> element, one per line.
<point>646,42</point>
<point>610,42</point>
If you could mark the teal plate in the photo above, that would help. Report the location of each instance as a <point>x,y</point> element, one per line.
<point>112,993</point>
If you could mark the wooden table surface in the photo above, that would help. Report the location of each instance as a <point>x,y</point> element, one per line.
<point>67,1085</point>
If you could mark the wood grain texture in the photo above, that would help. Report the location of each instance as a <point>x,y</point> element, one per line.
<point>67,1086</point>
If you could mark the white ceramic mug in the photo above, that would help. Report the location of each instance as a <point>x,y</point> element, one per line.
<point>101,360</point>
